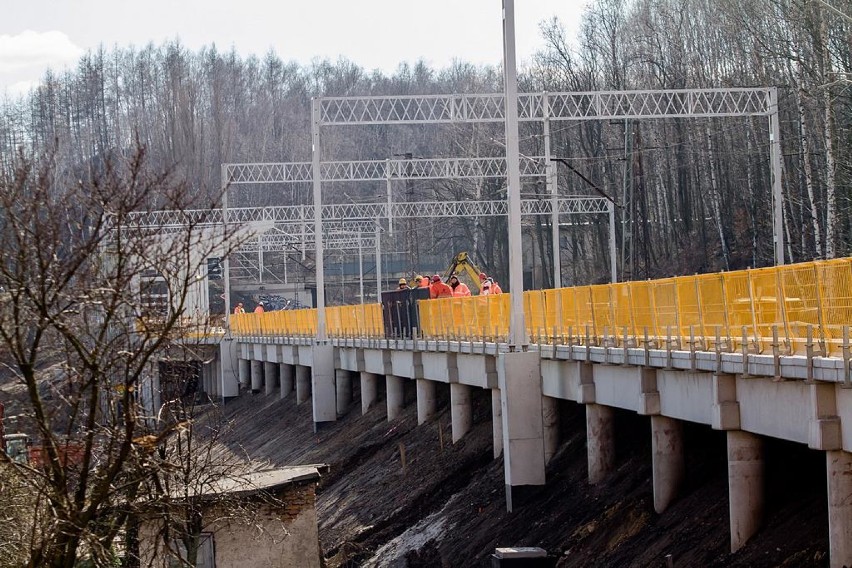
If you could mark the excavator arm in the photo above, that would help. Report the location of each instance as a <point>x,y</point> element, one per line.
<point>462,262</point>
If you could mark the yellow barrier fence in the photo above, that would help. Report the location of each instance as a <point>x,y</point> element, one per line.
<point>341,321</point>
<point>740,309</point>
<point>734,310</point>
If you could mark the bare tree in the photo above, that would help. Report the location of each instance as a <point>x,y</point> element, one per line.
<point>79,334</point>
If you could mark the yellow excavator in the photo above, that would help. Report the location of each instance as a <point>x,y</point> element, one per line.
<point>463,262</point>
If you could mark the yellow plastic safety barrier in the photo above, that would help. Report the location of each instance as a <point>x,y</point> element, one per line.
<point>759,309</point>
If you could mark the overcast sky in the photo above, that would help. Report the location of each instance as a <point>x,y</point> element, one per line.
<point>375,34</point>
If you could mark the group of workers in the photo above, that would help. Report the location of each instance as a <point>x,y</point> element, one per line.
<point>453,288</point>
<point>240,309</point>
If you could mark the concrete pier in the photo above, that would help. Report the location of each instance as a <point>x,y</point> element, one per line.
<point>745,486</point>
<point>395,395</point>
<point>461,410</point>
<point>205,379</point>
<point>667,460</point>
<point>497,422</point>
<point>245,373</point>
<point>287,379</point>
<point>256,376</point>
<point>227,370</point>
<point>427,402</point>
<point>215,382</point>
<point>369,390</point>
<point>550,422</point>
<point>270,377</point>
<point>839,470</point>
<point>518,376</point>
<point>600,441</point>
<point>303,384</point>
<point>343,383</point>
<point>323,389</point>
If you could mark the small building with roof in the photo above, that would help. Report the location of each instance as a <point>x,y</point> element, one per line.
<point>265,519</point>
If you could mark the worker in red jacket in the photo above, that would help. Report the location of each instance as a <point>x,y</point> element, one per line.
<point>438,289</point>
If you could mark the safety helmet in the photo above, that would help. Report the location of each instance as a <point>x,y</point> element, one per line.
<point>436,278</point>
<point>482,276</point>
<point>418,278</point>
<point>403,281</point>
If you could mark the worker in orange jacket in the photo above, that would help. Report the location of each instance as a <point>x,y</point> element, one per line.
<point>259,308</point>
<point>239,309</point>
<point>438,289</point>
<point>494,288</point>
<point>420,282</point>
<point>460,289</point>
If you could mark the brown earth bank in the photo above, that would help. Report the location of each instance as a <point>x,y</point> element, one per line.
<point>404,495</point>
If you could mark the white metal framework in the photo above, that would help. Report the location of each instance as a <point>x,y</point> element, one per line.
<point>536,107</point>
<point>379,170</point>
<point>351,216</point>
<point>511,108</point>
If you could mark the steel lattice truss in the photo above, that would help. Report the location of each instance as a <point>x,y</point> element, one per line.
<point>347,236</point>
<point>599,105</point>
<point>371,211</point>
<point>378,170</point>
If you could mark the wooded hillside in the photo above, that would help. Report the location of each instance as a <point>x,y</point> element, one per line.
<point>697,191</point>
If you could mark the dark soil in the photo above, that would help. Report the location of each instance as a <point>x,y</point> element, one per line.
<point>387,477</point>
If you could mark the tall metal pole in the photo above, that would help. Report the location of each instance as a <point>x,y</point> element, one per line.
<point>390,201</point>
<point>260,258</point>
<point>318,252</point>
<point>227,268</point>
<point>361,265</point>
<point>550,177</point>
<point>517,326</point>
<point>775,159</point>
<point>613,268</point>
<point>378,263</point>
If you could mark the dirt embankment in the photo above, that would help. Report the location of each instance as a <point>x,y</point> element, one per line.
<point>403,495</point>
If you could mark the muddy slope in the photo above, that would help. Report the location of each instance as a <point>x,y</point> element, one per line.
<point>403,495</point>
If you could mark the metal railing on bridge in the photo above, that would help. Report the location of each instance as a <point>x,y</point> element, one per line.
<point>785,308</point>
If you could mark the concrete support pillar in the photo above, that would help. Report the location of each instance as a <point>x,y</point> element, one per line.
<point>205,378</point>
<point>210,380</point>
<point>667,460</point>
<point>550,422</point>
<point>600,441</point>
<point>323,389</point>
<point>369,390</point>
<point>270,377</point>
<point>256,376</point>
<point>427,402</point>
<point>497,422</point>
<point>745,485</point>
<point>228,370</point>
<point>461,410</point>
<point>216,380</point>
<point>343,383</point>
<point>245,373</point>
<point>287,375</point>
<point>519,379</point>
<point>303,384</point>
<point>395,395</point>
<point>839,469</point>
